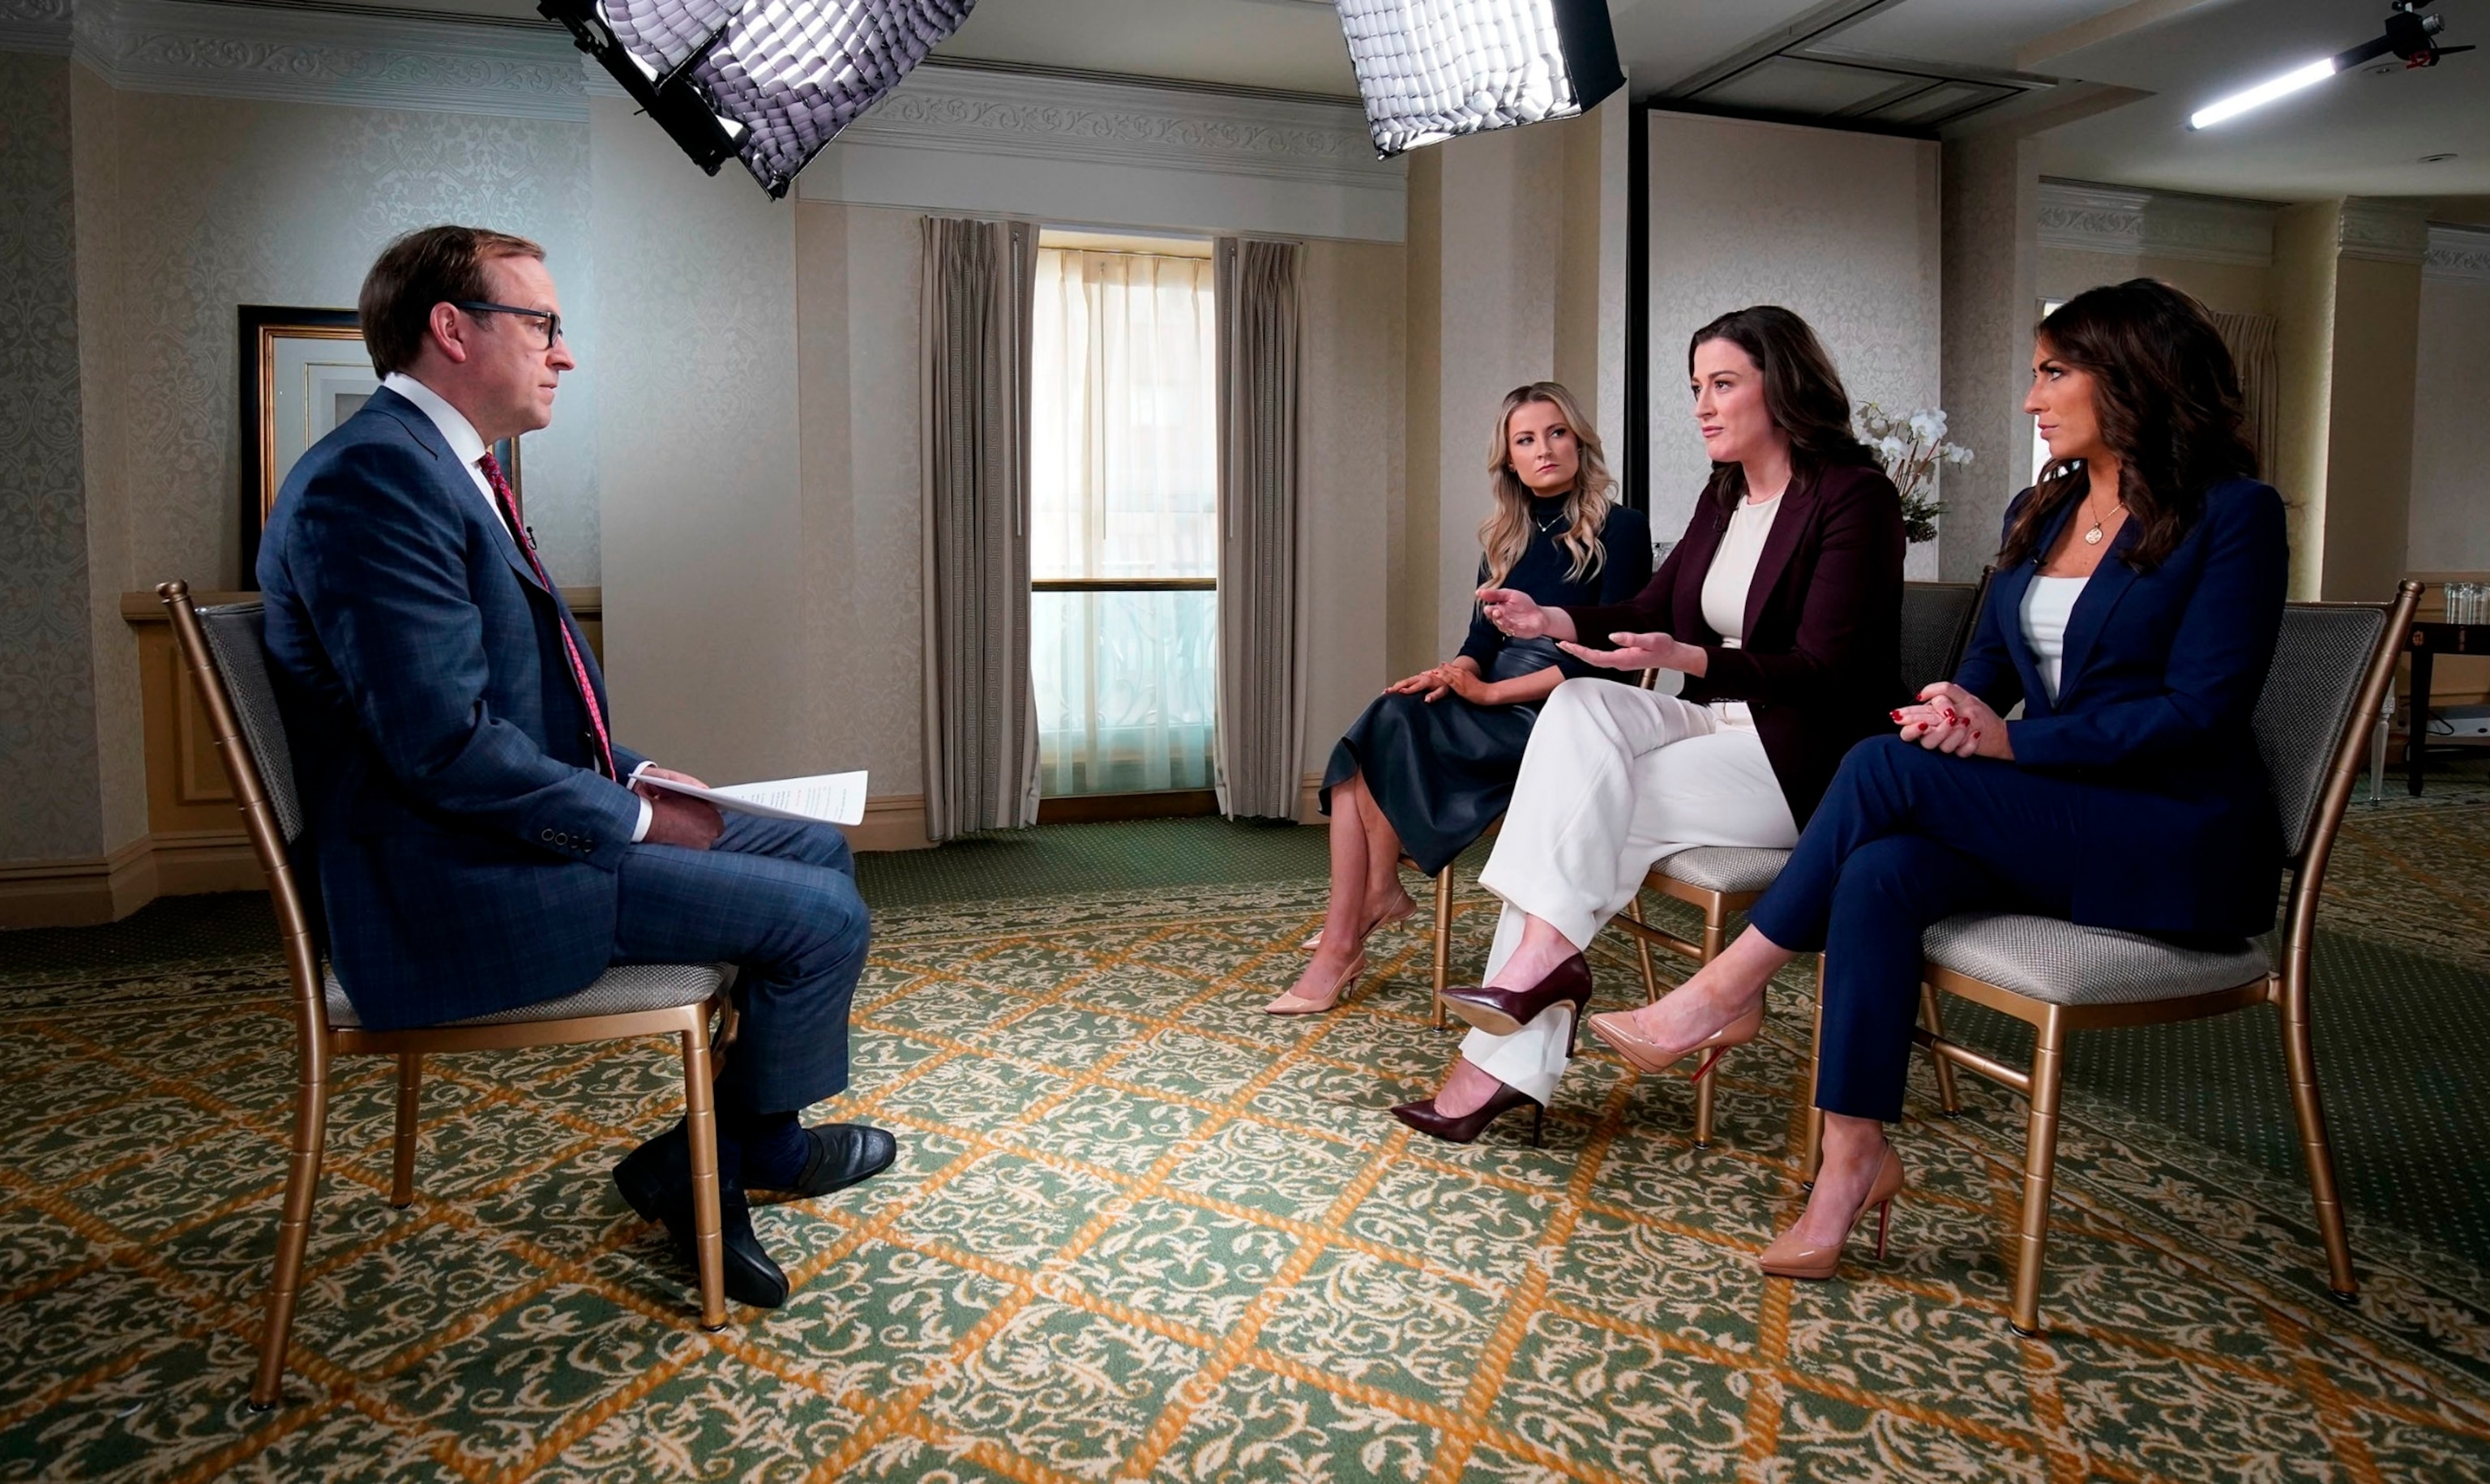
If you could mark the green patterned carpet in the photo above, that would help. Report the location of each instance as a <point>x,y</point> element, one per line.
<point>1138,1230</point>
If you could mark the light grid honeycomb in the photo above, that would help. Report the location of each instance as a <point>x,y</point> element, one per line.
<point>1430,69</point>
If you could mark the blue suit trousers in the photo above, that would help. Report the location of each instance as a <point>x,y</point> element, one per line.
<point>776,898</point>
<point>1904,839</point>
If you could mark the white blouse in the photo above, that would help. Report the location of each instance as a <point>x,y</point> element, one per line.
<point>1725,585</point>
<point>2047,603</point>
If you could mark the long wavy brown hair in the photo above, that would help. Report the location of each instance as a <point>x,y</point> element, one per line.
<point>2166,396</point>
<point>1505,535</point>
<point>1802,391</point>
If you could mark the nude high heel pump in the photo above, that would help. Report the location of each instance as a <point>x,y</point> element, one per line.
<point>1789,1258</point>
<point>1295,1004</point>
<point>1643,1054</point>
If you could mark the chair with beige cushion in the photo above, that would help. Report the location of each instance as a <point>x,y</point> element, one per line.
<point>223,648</point>
<point>1718,881</point>
<point>2332,668</point>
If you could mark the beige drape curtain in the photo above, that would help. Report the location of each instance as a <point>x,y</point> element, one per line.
<point>2250,339</point>
<point>975,351</point>
<point>1261,665</point>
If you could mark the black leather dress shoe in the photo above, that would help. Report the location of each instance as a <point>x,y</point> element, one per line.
<point>1504,1011</point>
<point>842,1156</point>
<point>657,1179</point>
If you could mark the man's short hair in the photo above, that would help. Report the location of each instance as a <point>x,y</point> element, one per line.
<point>426,267</point>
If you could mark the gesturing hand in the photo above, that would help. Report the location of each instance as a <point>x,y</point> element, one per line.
<point>1952,721</point>
<point>1519,615</point>
<point>1636,652</point>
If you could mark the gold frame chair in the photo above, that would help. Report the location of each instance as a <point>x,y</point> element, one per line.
<point>1445,908</point>
<point>1737,877</point>
<point>584,1016</point>
<point>1443,880</point>
<point>2310,821</point>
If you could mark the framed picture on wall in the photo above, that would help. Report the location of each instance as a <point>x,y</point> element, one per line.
<point>303,372</point>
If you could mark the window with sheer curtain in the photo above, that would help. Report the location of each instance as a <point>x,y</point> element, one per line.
<point>1123,528</point>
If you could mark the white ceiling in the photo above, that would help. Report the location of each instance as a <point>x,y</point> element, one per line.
<point>2359,134</point>
<point>1290,44</point>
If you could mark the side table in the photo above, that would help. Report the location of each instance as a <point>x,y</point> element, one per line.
<point>2428,641</point>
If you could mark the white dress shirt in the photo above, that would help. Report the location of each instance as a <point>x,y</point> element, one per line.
<point>469,445</point>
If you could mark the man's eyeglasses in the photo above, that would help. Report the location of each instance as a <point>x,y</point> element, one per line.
<point>552,321</point>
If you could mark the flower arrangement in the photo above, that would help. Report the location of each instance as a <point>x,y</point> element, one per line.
<point>1912,449</point>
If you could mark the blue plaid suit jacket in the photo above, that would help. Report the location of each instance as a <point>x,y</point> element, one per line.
<point>462,845</point>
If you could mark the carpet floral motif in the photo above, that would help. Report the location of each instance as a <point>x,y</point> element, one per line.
<point>1139,1230</point>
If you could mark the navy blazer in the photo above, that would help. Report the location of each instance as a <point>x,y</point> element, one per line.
<point>462,845</point>
<point>2155,693</point>
<point>1820,664</point>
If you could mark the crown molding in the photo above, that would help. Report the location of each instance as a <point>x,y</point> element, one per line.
<point>40,27</point>
<point>959,109</point>
<point>1083,149</point>
<point>2382,231</point>
<point>298,54</point>
<point>2091,219</point>
<point>2458,255</point>
<point>2128,222</point>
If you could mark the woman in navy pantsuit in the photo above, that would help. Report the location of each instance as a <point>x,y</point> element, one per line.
<point>2133,615</point>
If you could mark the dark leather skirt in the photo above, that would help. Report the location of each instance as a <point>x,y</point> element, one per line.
<point>1440,771</point>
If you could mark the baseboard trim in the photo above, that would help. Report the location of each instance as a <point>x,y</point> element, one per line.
<point>1310,799</point>
<point>79,892</point>
<point>892,822</point>
<point>192,862</point>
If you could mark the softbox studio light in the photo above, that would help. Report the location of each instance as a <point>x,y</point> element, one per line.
<point>1430,69</point>
<point>764,81</point>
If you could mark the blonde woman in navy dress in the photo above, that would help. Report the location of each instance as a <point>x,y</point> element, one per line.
<point>1431,764</point>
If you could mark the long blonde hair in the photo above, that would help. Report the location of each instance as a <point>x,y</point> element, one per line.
<point>1505,535</point>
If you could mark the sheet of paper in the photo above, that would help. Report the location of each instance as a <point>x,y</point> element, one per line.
<point>837,797</point>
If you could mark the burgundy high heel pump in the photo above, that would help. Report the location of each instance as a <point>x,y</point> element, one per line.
<point>1465,1129</point>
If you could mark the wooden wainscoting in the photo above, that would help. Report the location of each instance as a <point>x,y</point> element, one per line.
<point>194,841</point>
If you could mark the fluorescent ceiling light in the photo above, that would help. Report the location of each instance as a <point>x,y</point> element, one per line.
<point>764,81</point>
<point>1433,70</point>
<point>2262,93</point>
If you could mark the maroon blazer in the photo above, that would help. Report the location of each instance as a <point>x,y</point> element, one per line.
<point>1821,664</point>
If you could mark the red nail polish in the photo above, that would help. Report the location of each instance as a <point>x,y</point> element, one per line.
<point>1896,716</point>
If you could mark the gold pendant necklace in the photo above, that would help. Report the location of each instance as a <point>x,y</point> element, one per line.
<point>2093,536</point>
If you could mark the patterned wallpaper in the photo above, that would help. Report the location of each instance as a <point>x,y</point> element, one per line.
<point>2451,516</point>
<point>256,202</point>
<point>856,269</point>
<point>46,683</point>
<point>1843,228</point>
<point>705,545</point>
<point>120,736</point>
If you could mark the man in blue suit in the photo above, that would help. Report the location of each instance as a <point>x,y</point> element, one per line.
<point>477,838</point>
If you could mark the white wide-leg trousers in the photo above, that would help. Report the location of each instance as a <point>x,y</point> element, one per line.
<point>1615,779</point>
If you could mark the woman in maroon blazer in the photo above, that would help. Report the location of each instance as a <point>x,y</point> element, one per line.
<point>1777,622</point>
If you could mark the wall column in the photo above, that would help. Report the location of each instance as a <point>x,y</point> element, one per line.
<point>72,835</point>
<point>1990,258</point>
<point>2347,289</point>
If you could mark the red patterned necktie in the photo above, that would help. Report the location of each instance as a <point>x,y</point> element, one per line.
<point>509,502</point>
